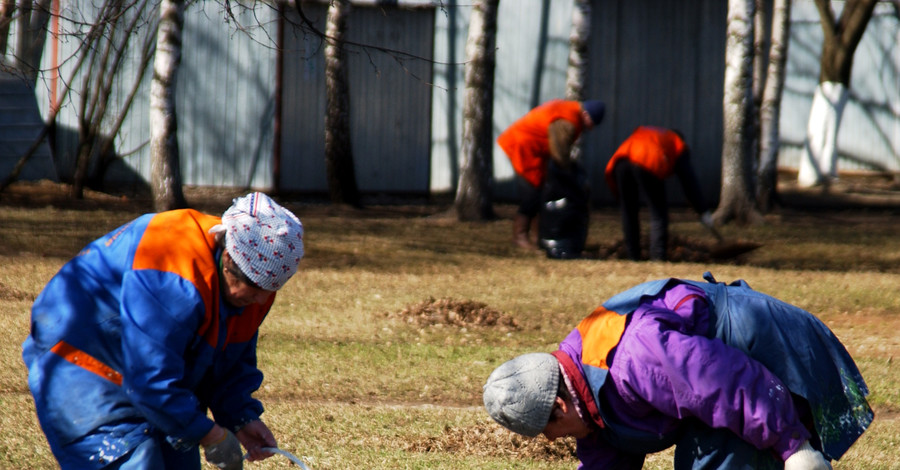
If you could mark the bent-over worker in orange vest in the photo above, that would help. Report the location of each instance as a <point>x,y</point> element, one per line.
<point>639,166</point>
<point>546,132</point>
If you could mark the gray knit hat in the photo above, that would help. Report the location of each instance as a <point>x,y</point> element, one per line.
<point>520,393</point>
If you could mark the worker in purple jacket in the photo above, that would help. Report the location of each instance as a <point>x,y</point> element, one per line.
<point>731,377</point>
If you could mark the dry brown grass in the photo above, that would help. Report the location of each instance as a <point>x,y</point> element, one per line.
<point>492,440</point>
<point>376,353</point>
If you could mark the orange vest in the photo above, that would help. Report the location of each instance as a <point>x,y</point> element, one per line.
<point>654,149</point>
<point>526,142</point>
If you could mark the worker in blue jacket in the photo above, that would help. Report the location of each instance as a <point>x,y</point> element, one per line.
<point>152,326</point>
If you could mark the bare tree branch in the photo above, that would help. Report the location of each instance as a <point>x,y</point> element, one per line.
<point>307,24</point>
<point>49,123</point>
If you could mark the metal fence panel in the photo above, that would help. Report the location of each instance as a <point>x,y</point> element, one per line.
<point>390,100</point>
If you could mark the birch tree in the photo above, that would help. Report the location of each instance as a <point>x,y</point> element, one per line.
<point>579,38</point>
<point>474,192</point>
<point>7,7</point>
<point>576,73</point>
<point>31,18</point>
<point>339,166</point>
<point>166,165</point>
<point>841,36</point>
<point>770,105</point>
<point>736,199</point>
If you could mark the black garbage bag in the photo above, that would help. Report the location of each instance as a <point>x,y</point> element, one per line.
<point>565,212</point>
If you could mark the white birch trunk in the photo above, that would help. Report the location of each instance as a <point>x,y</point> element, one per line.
<point>576,74</point>
<point>474,193</point>
<point>579,38</point>
<point>165,166</point>
<point>770,107</point>
<point>818,162</point>
<point>737,200</point>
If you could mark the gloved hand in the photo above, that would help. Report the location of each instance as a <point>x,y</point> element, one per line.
<point>225,453</point>
<point>706,219</point>
<point>806,458</point>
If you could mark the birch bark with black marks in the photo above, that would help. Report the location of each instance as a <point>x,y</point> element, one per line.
<point>770,106</point>
<point>474,192</point>
<point>737,195</point>
<point>165,160</point>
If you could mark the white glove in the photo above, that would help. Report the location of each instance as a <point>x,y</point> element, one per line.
<point>226,453</point>
<point>706,219</point>
<point>806,458</point>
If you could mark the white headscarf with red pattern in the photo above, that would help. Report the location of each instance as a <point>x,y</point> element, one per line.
<point>264,239</point>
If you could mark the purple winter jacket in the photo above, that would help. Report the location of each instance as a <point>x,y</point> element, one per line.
<point>666,369</point>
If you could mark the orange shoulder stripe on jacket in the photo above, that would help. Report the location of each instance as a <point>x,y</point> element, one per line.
<point>179,242</point>
<point>600,333</point>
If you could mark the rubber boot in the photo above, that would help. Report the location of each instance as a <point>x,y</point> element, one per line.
<point>521,227</point>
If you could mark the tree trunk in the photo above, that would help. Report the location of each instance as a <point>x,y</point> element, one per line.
<point>576,74</point>
<point>7,7</point>
<point>819,160</point>
<point>736,201</point>
<point>762,25</point>
<point>22,19</point>
<point>579,39</point>
<point>339,167</point>
<point>166,165</point>
<point>761,44</point>
<point>31,32</point>
<point>474,192</point>
<point>82,161</point>
<point>770,107</point>
<point>37,27</point>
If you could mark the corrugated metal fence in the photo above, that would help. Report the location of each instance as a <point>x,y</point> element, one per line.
<point>390,100</point>
<point>653,61</point>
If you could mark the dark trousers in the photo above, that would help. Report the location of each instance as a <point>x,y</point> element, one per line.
<point>529,198</point>
<point>634,182</point>
<point>705,448</point>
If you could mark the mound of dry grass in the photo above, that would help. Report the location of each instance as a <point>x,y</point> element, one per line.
<point>491,440</point>
<point>460,313</point>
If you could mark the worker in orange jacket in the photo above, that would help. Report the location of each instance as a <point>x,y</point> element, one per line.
<point>548,131</point>
<point>639,166</point>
